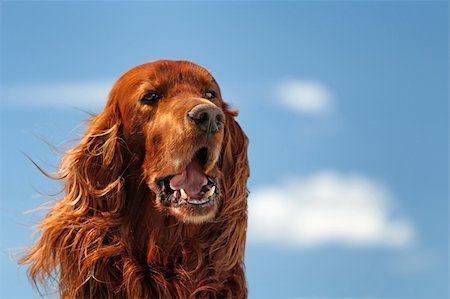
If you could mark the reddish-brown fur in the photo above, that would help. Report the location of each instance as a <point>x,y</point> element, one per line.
<point>109,237</point>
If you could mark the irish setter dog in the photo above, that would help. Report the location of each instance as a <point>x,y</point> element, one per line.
<point>155,196</point>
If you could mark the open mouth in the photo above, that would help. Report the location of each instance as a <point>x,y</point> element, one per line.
<point>191,188</point>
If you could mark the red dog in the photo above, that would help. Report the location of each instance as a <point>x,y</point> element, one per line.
<point>155,201</point>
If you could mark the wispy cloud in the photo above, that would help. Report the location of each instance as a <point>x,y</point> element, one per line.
<point>305,96</point>
<point>327,208</point>
<point>84,95</point>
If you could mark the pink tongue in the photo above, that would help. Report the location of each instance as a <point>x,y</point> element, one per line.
<point>192,179</point>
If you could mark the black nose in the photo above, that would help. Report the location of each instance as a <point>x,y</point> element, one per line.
<point>207,118</point>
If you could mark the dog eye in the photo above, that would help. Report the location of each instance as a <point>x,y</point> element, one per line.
<point>210,95</point>
<point>151,98</point>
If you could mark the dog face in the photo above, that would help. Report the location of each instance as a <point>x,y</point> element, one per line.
<point>173,116</point>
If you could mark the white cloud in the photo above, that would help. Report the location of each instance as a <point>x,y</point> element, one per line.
<point>327,208</point>
<point>309,97</point>
<point>84,95</point>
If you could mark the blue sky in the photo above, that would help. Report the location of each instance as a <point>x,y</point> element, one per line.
<point>345,105</point>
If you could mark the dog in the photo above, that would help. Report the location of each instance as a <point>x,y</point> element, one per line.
<point>154,198</point>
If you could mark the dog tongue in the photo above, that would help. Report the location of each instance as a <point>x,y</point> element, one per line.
<point>192,179</point>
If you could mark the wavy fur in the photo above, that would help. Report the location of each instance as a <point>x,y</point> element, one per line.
<point>106,238</point>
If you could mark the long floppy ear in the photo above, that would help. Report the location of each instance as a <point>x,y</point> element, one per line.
<point>78,233</point>
<point>93,170</point>
<point>234,166</point>
<point>229,248</point>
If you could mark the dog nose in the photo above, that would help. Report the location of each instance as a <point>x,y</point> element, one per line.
<point>207,118</point>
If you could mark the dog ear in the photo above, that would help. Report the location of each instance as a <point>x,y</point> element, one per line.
<point>229,247</point>
<point>93,170</point>
<point>234,159</point>
<point>93,186</point>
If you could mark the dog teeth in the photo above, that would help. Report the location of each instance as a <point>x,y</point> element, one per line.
<point>198,201</point>
<point>210,192</point>
<point>183,194</point>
